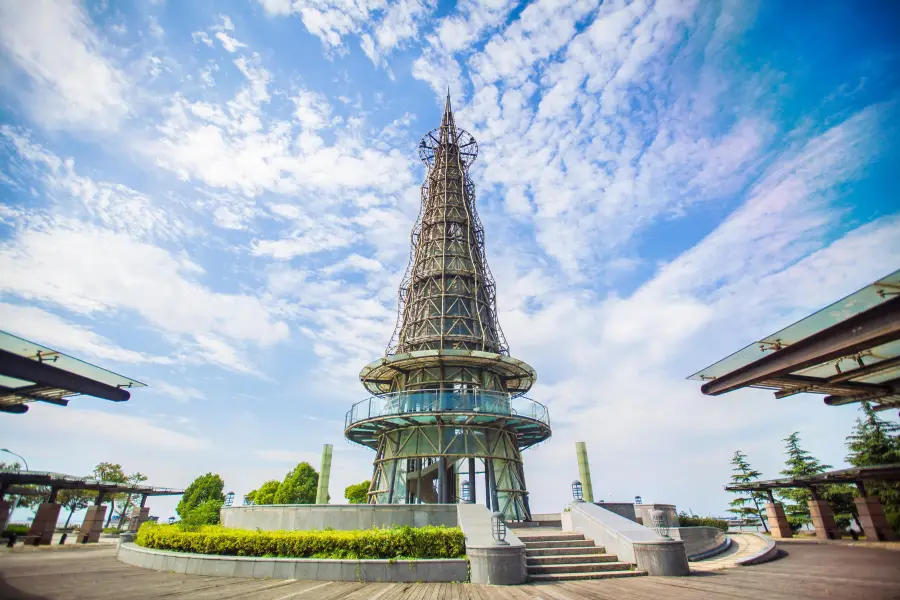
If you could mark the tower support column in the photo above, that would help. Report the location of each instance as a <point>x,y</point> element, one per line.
<point>471,480</point>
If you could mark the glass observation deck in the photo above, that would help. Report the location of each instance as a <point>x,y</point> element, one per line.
<point>477,402</point>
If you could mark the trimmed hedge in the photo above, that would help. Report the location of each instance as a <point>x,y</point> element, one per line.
<point>405,542</point>
<point>688,521</point>
<point>19,530</point>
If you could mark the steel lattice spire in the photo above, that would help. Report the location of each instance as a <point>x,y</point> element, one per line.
<point>448,298</point>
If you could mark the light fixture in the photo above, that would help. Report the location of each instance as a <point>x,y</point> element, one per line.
<point>229,498</point>
<point>498,529</point>
<point>638,500</point>
<point>466,491</point>
<point>577,492</point>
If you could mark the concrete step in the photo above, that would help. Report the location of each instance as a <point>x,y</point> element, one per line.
<point>560,544</point>
<point>576,576</point>
<point>551,537</point>
<point>578,568</point>
<point>559,551</point>
<point>571,559</point>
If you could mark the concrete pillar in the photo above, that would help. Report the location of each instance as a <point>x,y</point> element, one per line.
<point>5,511</point>
<point>823,520</point>
<point>584,471</point>
<point>873,521</point>
<point>325,475</point>
<point>92,526</point>
<point>471,480</point>
<point>778,523</point>
<point>41,531</point>
<point>139,514</point>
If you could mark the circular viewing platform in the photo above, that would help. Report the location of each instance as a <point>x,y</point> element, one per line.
<point>368,418</point>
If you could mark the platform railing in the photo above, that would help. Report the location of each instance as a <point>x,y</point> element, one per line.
<point>431,401</point>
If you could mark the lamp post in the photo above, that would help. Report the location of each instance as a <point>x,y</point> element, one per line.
<point>465,492</point>
<point>498,529</point>
<point>638,500</point>
<point>14,454</point>
<point>229,498</point>
<point>577,492</point>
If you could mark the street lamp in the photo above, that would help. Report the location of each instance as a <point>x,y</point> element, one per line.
<point>465,492</point>
<point>577,491</point>
<point>638,500</point>
<point>229,498</point>
<point>14,454</point>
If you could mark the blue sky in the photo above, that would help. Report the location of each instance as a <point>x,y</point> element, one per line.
<point>216,199</point>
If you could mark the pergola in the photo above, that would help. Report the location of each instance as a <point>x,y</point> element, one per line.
<point>44,523</point>
<point>849,351</point>
<point>30,372</point>
<point>870,512</point>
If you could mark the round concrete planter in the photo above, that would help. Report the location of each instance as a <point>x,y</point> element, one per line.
<point>309,569</point>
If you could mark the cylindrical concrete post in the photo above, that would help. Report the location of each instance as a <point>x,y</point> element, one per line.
<point>324,475</point>
<point>584,471</point>
<point>471,480</point>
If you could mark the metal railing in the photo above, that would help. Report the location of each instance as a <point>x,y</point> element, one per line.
<point>430,401</point>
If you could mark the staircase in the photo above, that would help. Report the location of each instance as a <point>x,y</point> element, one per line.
<point>555,555</point>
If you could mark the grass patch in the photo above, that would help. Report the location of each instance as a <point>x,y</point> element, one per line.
<point>406,542</point>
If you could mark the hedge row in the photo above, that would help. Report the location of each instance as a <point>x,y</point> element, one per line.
<point>406,542</point>
<point>689,521</point>
<point>16,529</point>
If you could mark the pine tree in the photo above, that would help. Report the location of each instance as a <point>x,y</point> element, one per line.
<point>874,441</point>
<point>746,505</point>
<point>799,463</point>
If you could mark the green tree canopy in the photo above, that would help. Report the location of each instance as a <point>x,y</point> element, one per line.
<point>74,500</point>
<point>205,496</point>
<point>299,486</point>
<point>266,493</point>
<point>799,463</point>
<point>875,441</point>
<point>111,472</point>
<point>358,493</point>
<point>746,505</point>
<point>30,500</point>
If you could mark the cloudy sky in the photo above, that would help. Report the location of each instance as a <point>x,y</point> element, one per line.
<point>215,198</point>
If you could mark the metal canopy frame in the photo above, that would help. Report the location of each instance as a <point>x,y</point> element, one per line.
<point>849,351</point>
<point>852,475</point>
<point>31,372</point>
<point>62,481</point>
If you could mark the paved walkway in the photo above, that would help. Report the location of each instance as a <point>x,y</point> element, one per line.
<point>743,545</point>
<point>806,571</point>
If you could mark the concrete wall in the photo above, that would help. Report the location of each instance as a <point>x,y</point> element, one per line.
<point>698,540</point>
<point>623,509</point>
<point>309,517</point>
<point>630,541</point>
<point>443,570</point>
<point>642,512</point>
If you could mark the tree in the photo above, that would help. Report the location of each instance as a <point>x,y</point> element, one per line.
<point>204,496</point>
<point>875,441</point>
<point>799,463</point>
<point>299,486</point>
<point>26,500</point>
<point>74,500</point>
<point>111,472</point>
<point>265,494</point>
<point>130,499</point>
<point>746,505</point>
<point>357,493</point>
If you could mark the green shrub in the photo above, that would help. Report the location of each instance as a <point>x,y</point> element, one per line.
<point>16,529</point>
<point>407,542</point>
<point>689,521</point>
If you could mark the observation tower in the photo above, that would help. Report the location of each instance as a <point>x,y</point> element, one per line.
<point>448,410</point>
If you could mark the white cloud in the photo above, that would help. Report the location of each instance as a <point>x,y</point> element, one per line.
<point>71,81</point>
<point>102,272</point>
<point>229,43</point>
<point>38,325</point>
<point>177,392</point>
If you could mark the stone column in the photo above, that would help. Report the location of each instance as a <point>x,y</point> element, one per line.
<point>823,520</point>
<point>139,514</point>
<point>872,519</point>
<point>44,523</point>
<point>92,526</point>
<point>5,511</point>
<point>778,523</point>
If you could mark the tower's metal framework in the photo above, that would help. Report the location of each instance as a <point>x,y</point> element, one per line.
<point>448,402</point>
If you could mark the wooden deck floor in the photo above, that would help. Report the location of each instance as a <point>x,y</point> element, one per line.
<point>806,571</point>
